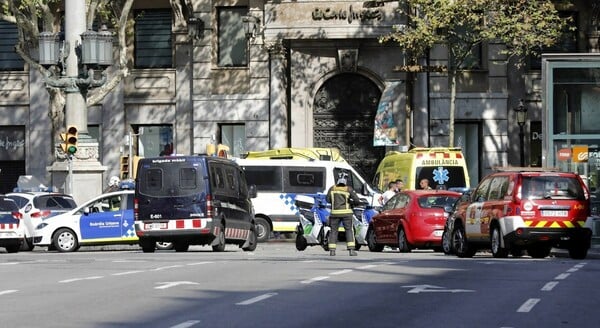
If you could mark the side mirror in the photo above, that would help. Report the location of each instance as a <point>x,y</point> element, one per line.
<point>252,191</point>
<point>86,211</point>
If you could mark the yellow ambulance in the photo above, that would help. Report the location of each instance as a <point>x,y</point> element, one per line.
<point>315,153</point>
<point>444,168</point>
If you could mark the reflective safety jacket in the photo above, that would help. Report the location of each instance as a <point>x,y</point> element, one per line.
<point>341,199</point>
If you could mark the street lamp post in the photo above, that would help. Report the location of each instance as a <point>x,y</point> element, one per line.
<point>521,112</point>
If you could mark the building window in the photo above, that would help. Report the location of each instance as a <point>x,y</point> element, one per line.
<point>153,39</point>
<point>234,137</point>
<point>9,59</point>
<point>232,44</point>
<point>154,140</point>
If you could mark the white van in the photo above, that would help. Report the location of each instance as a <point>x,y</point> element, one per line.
<point>278,181</point>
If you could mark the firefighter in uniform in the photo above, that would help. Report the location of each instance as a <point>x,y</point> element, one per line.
<point>341,197</point>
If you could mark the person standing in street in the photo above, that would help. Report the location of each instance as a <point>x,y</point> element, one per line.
<point>342,197</point>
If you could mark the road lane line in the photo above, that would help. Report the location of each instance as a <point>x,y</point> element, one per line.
<point>167,267</point>
<point>369,266</point>
<point>199,263</point>
<point>549,286</point>
<point>9,291</point>
<point>341,272</point>
<point>256,299</point>
<point>79,279</point>
<point>573,269</point>
<point>314,279</point>
<point>528,305</point>
<point>9,263</point>
<point>186,324</point>
<point>126,273</point>
<point>562,276</point>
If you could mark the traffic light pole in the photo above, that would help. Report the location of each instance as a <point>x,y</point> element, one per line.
<point>70,177</point>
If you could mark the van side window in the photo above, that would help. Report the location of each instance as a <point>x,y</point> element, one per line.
<point>218,179</point>
<point>303,179</point>
<point>187,178</point>
<point>232,184</point>
<point>153,179</point>
<point>243,184</point>
<point>265,178</point>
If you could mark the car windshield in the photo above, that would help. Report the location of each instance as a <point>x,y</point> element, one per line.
<point>552,187</point>
<point>441,201</point>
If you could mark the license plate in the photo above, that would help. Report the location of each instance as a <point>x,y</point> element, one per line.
<point>155,226</point>
<point>438,233</point>
<point>555,213</point>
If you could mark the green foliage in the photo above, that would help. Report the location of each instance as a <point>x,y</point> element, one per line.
<point>524,26</point>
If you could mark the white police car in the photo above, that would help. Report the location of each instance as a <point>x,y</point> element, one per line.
<point>104,220</point>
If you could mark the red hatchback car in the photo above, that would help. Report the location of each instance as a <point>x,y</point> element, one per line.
<point>412,219</point>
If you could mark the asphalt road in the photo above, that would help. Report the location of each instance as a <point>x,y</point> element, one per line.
<point>278,286</point>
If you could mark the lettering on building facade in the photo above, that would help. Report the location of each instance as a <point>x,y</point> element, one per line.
<point>349,14</point>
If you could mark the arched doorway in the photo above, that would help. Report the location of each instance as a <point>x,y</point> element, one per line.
<point>343,117</point>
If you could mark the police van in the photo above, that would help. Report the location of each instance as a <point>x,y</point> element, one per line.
<point>279,181</point>
<point>444,168</point>
<point>193,200</point>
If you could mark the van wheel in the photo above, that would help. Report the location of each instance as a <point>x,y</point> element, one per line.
<point>263,229</point>
<point>220,246</point>
<point>372,242</point>
<point>252,242</point>
<point>403,245</point>
<point>496,240</point>
<point>12,248</point>
<point>181,246</point>
<point>147,245</point>
<point>578,252</point>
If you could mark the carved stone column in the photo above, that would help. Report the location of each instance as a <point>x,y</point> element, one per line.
<point>278,122</point>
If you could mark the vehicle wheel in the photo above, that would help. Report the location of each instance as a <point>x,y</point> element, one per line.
<point>403,246</point>
<point>496,240</point>
<point>460,244</point>
<point>357,246</point>
<point>27,244</point>
<point>65,240</point>
<point>253,241</point>
<point>13,248</point>
<point>148,246</point>
<point>325,239</point>
<point>578,252</point>
<point>372,242</point>
<point>516,251</point>
<point>447,243</point>
<point>301,243</point>
<point>220,246</point>
<point>263,229</point>
<point>539,251</point>
<point>181,246</point>
<point>164,245</point>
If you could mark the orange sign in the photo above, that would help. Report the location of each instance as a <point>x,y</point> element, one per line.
<point>563,154</point>
<point>580,154</point>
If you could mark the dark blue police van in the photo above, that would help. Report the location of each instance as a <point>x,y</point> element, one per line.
<point>193,200</point>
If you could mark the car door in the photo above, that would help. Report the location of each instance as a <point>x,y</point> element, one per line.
<point>127,224</point>
<point>389,219</point>
<point>473,216</point>
<point>102,218</point>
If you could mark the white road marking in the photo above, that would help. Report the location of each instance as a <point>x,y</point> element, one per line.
<point>364,267</point>
<point>256,299</point>
<point>528,305</point>
<point>562,276</point>
<point>199,263</point>
<point>416,289</point>
<point>9,263</point>
<point>169,284</point>
<point>549,286</point>
<point>79,279</point>
<point>573,269</point>
<point>341,272</point>
<point>314,279</point>
<point>9,291</point>
<point>126,273</point>
<point>186,324</point>
<point>167,267</point>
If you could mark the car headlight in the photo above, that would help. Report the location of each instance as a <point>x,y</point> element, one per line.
<point>41,226</point>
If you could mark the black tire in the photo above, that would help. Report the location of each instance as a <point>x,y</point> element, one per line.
<point>148,246</point>
<point>325,239</point>
<point>181,246</point>
<point>27,244</point>
<point>164,245</point>
<point>263,229</point>
<point>447,243</point>
<point>13,248</point>
<point>357,246</point>
<point>65,240</point>
<point>516,251</point>
<point>403,245</point>
<point>578,252</point>
<point>539,251</point>
<point>220,246</point>
<point>461,247</point>
<point>253,237</point>
<point>372,242</point>
<point>496,242</point>
<point>301,243</point>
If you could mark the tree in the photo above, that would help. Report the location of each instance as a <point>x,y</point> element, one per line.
<point>524,26</point>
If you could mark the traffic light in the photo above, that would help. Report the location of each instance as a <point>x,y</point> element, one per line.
<point>69,140</point>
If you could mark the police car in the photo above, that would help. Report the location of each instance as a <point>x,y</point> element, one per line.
<point>104,220</point>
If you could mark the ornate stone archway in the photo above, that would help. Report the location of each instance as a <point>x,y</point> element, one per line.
<point>343,117</point>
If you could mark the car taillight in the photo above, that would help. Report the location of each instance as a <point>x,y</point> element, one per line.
<point>136,208</point>
<point>209,206</point>
<point>17,215</point>
<point>40,214</point>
